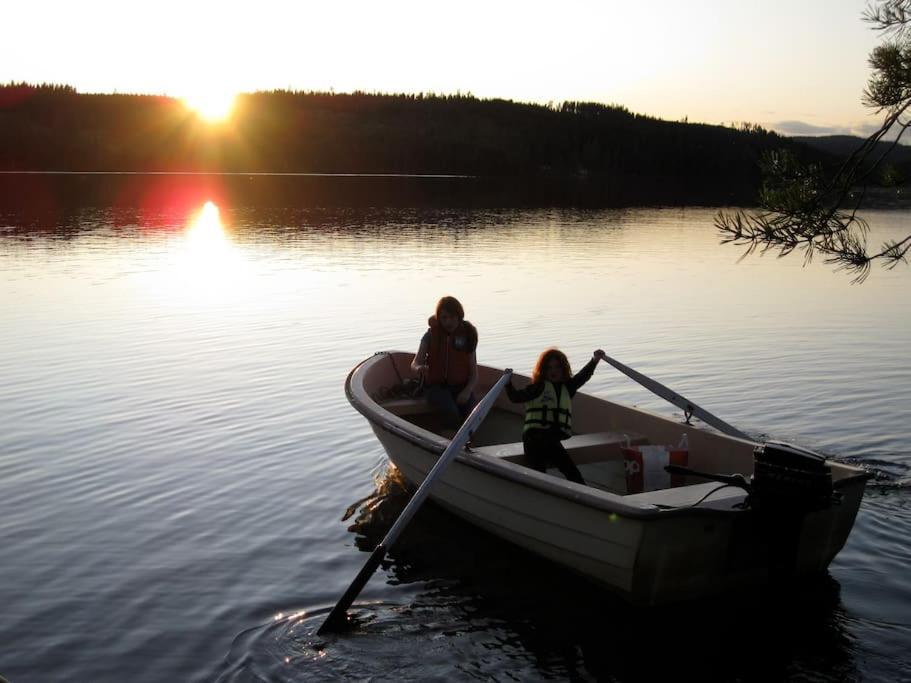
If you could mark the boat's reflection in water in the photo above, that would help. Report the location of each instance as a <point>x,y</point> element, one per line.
<point>508,614</point>
<point>475,583</point>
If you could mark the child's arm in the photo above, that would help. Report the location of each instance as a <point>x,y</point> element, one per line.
<point>585,373</point>
<point>532,391</point>
<point>466,392</point>
<point>419,362</point>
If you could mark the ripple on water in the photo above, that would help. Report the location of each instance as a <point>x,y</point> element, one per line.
<point>177,453</point>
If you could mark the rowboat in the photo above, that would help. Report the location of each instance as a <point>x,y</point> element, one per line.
<point>771,521</point>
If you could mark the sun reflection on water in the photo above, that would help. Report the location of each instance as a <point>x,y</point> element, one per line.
<point>209,264</point>
<point>203,266</point>
<point>206,232</point>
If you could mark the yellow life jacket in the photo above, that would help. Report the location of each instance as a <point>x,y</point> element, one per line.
<point>549,410</point>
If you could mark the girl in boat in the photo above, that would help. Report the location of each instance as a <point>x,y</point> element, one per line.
<point>549,410</point>
<point>446,358</point>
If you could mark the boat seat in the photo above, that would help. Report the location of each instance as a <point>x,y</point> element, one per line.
<point>406,406</point>
<point>583,448</point>
<point>683,496</point>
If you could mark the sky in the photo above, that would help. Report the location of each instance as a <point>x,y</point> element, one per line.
<point>796,66</point>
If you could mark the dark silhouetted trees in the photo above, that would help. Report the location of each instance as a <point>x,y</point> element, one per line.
<point>54,128</point>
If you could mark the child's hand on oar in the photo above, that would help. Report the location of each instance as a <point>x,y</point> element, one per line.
<point>600,355</point>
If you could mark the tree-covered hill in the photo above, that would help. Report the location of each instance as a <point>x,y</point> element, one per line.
<point>608,148</point>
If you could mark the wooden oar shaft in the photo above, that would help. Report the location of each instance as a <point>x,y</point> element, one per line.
<point>337,617</point>
<point>678,400</point>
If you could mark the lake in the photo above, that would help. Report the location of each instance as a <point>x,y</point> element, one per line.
<point>177,452</point>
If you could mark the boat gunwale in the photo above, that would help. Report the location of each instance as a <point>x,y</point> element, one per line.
<point>576,493</point>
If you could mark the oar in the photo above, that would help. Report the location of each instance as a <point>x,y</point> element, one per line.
<point>687,406</point>
<point>337,618</point>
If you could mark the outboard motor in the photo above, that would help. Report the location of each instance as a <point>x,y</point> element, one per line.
<point>789,479</point>
<point>788,483</point>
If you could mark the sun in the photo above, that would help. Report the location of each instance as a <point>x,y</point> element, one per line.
<point>212,106</point>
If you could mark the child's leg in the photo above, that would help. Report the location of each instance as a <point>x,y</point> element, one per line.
<point>565,464</point>
<point>543,448</point>
<point>444,403</point>
<point>536,448</point>
<point>467,407</point>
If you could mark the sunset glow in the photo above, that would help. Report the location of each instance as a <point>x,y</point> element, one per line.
<point>787,66</point>
<point>212,106</point>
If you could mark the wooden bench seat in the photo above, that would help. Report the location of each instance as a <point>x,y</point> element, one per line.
<point>406,406</point>
<point>583,448</point>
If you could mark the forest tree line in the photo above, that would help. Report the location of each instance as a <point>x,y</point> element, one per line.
<point>55,128</point>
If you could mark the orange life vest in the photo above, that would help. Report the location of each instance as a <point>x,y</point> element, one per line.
<point>449,355</point>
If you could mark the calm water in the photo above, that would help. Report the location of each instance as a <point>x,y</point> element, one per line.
<point>177,454</point>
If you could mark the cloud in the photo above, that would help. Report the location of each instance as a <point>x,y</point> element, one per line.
<point>804,128</point>
<point>862,129</point>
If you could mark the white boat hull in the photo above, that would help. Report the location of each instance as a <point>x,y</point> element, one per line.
<point>646,553</point>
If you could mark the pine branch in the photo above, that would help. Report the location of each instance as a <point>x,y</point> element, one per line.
<point>803,210</point>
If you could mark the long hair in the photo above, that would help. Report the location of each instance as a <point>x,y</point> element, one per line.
<point>538,373</point>
<point>452,306</point>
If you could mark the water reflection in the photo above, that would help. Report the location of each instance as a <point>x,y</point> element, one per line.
<point>506,612</point>
<point>209,256</point>
<point>572,627</point>
<point>202,265</point>
<point>173,397</point>
<point>206,228</point>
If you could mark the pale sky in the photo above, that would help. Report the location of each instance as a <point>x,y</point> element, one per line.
<point>791,65</point>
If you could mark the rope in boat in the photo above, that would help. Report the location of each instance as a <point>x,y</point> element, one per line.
<point>406,387</point>
<point>701,500</point>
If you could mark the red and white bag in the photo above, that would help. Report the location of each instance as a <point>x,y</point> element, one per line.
<point>645,466</point>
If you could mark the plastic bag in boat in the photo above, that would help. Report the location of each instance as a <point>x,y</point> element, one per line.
<point>645,466</point>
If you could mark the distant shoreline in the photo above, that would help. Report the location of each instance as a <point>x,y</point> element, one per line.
<point>62,192</point>
<point>49,195</point>
<point>592,152</point>
<point>289,174</point>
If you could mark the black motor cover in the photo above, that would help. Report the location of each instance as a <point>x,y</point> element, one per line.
<point>789,478</point>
